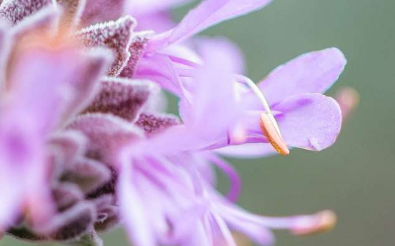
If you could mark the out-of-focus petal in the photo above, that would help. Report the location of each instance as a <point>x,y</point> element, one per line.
<point>313,72</point>
<point>221,232</point>
<point>157,22</point>
<point>146,7</point>
<point>198,237</point>
<point>106,133</point>
<point>87,174</point>
<point>208,13</point>
<point>102,10</point>
<point>235,55</point>
<point>66,195</point>
<point>70,224</point>
<point>11,198</point>
<point>155,123</point>
<point>240,222</point>
<point>42,72</point>
<point>108,213</point>
<point>72,11</point>
<point>45,19</point>
<point>159,69</point>
<point>212,108</point>
<point>248,151</point>
<point>121,97</point>
<point>17,10</point>
<point>37,93</point>
<point>66,147</point>
<point>85,84</point>
<point>182,54</point>
<point>4,50</point>
<point>132,210</point>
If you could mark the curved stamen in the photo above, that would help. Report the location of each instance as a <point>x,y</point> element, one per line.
<point>325,221</point>
<point>268,127</point>
<point>267,121</point>
<point>300,225</point>
<point>235,181</point>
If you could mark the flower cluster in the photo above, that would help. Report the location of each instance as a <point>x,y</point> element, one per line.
<point>85,143</point>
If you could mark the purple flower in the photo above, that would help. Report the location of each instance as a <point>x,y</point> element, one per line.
<point>210,110</point>
<point>82,122</point>
<point>306,118</point>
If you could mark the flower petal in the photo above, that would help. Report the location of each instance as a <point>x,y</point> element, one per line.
<point>115,35</point>
<point>11,198</point>
<point>154,123</point>
<point>46,96</point>
<point>199,236</point>
<point>145,7</point>
<point>309,121</point>
<point>208,107</point>
<point>16,10</point>
<point>66,195</point>
<point>97,11</point>
<point>106,133</point>
<point>157,22</point>
<point>72,223</point>
<point>121,97</point>
<point>4,49</point>
<point>88,174</point>
<point>72,11</point>
<point>133,212</point>
<point>159,69</point>
<point>46,18</point>
<point>226,46</point>
<point>248,151</point>
<point>67,146</point>
<point>108,213</point>
<point>208,13</point>
<point>66,226</point>
<point>136,49</point>
<point>312,72</point>
<point>260,234</point>
<point>86,83</point>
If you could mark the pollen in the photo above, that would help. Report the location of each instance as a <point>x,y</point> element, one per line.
<point>269,129</point>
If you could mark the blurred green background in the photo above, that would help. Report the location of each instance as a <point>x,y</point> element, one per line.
<point>356,177</point>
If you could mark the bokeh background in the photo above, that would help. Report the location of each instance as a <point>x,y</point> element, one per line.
<point>356,177</point>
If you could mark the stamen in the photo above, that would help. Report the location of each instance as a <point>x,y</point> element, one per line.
<point>348,99</point>
<point>325,221</point>
<point>235,181</point>
<point>269,130</point>
<point>267,121</point>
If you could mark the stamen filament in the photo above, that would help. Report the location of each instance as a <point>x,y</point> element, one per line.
<point>268,123</point>
<point>326,221</point>
<point>273,136</point>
